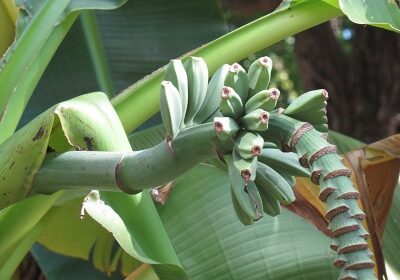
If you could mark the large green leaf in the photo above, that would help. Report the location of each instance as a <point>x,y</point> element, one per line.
<point>212,244</point>
<point>380,13</point>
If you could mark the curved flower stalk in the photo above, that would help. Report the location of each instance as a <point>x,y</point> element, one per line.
<point>233,118</point>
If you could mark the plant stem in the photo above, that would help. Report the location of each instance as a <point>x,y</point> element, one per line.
<point>336,190</point>
<point>130,172</point>
<point>232,47</point>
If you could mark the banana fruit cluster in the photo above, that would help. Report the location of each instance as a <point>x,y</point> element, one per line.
<point>262,177</point>
<point>239,103</point>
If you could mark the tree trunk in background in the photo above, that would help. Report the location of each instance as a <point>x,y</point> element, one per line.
<point>363,86</point>
<point>29,270</point>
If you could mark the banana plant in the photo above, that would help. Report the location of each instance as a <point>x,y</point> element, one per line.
<point>230,121</point>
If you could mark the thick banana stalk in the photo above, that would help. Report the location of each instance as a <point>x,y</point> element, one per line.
<point>248,144</point>
<point>197,74</point>
<point>211,101</point>
<point>171,109</point>
<point>231,105</point>
<point>225,127</point>
<point>336,189</point>
<point>259,75</point>
<point>238,80</point>
<point>256,120</point>
<point>265,99</point>
<point>176,74</point>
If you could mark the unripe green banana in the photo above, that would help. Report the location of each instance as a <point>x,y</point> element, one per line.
<point>197,74</point>
<point>271,206</point>
<point>308,102</point>
<point>211,101</point>
<point>225,128</point>
<point>265,99</point>
<point>245,192</point>
<point>176,74</point>
<point>247,168</point>
<point>171,109</point>
<point>274,184</point>
<point>256,120</point>
<point>248,144</point>
<point>283,162</point>
<point>231,105</point>
<point>238,80</point>
<point>242,216</point>
<point>259,75</point>
<point>270,145</point>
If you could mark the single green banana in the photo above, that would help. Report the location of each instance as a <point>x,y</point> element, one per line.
<point>231,105</point>
<point>242,215</point>
<point>245,192</point>
<point>225,127</point>
<point>238,80</point>
<point>270,145</point>
<point>197,74</point>
<point>248,144</point>
<point>265,99</point>
<point>212,99</point>
<point>290,179</point>
<point>247,168</point>
<point>283,162</point>
<point>256,120</point>
<point>171,109</point>
<point>271,206</point>
<point>274,184</point>
<point>259,75</point>
<point>176,74</point>
<point>309,101</point>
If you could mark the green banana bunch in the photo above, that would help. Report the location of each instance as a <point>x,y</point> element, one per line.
<point>176,74</point>
<point>283,162</point>
<point>238,80</point>
<point>265,100</point>
<point>274,184</point>
<point>245,196</point>
<point>248,144</point>
<point>197,75</point>
<point>310,107</point>
<point>171,109</point>
<point>256,120</point>
<point>231,104</point>
<point>259,75</point>
<point>225,127</point>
